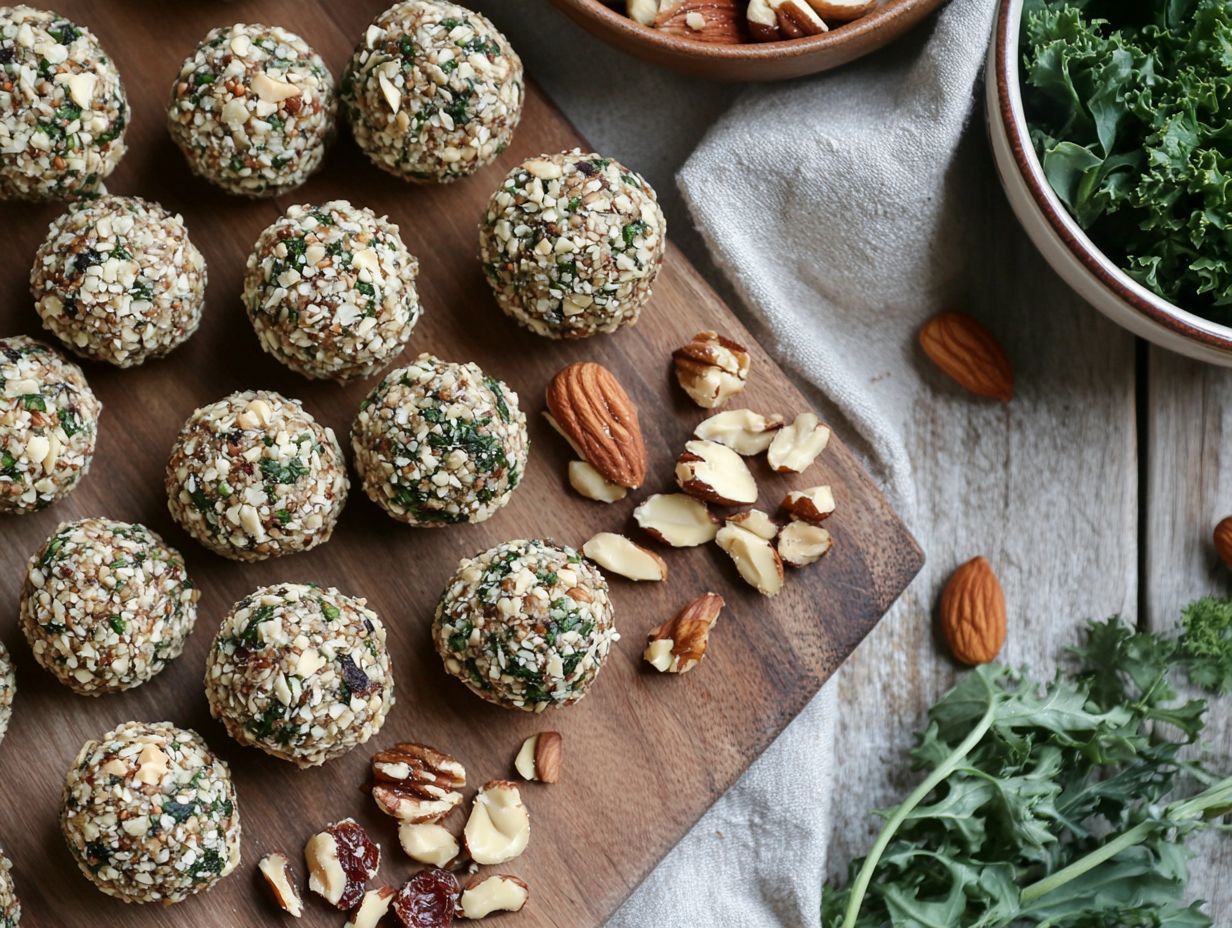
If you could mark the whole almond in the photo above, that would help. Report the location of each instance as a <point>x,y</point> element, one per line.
<point>973,613</point>
<point>595,414</point>
<point>968,354</point>
<point>1223,540</point>
<point>715,21</point>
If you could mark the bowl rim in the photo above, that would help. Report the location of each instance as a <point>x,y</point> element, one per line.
<point>1142,301</point>
<point>752,51</point>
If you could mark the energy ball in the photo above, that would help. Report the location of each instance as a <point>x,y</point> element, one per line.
<point>10,905</point>
<point>525,625</point>
<point>438,443</point>
<point>118,280</point>
<point>254,476</point>
<point>63,111</point>
<point>572,243</point>
<point>300,672</point>
<point>149,813</point>
<point>48,425</point>
<point>106,605</point>
<point>8,689</point>
<point>330,291</point>
<point>253,110</point>
<point>433,91</point>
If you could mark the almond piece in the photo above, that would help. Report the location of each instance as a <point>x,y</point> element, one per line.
<point>341,860</point>
<point>797,19</point>
<point>416,783</point>
<point>276,870</point>
<point>540,757</point>
<point>372,908</point>
<point>755,558</point>
<point>428,843</point>
<point>593,411</point>
<point>803,543</point>
<point>843,11</point>
<point>973,613</point>
<point>678,646</point>
<point>763,22</point>
<point>642,11</point>
<point>590,483</point>
<point>816,504</point>
<point>711,369</point>
<point>498,893</point>
<point>714,21</point>
<point>742,430</point>
<point>968,354</point>
<point>1223,540</point>
<point>755,521</point>
<point>498,829</point>
<point>619,555</point>
<point>796,446</point>
<point>676,519</point>
<point>715,473</point>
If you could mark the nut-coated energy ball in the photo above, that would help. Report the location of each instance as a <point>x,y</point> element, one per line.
<point>118,280</point>
<point>526,625</point>
<point>48,425</point>
<point>62,107</point>
<point>10,905</point>
<point>300,672</point>
<point>433,92</point>
<point>8,689</point>
<point>255,476</point>
<point>253,110</point>
<point>106,605</point>
<point>572,243</point>
<point>149,813</point>
<point>330,291</point>
<point>438,443</point>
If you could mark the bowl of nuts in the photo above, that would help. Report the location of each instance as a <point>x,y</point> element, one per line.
<point>748,40</point>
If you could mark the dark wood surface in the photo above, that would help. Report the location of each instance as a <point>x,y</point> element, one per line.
<point>645,755</point>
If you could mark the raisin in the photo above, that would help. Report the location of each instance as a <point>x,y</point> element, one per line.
<point>360,859</point>
<point>356,680</point>
<point>428,900</point>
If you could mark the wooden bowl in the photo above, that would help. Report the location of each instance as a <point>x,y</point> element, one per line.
<point>1065,246</point>
<point>764,61</point>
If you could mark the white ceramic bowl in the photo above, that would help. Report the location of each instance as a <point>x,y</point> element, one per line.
<point>1055,233</point>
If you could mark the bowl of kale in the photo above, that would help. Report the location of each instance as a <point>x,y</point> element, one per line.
<point>1111,125</point>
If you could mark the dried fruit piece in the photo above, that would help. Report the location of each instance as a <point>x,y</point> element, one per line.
<point>678,646</point>
<point>416,783</point>
<point>973,613</point>
<point>742,430</point>
<point>429,899</point>
<point>592,410</point>
<point>499,827</point>
<point>428,843</point>
<point>803,543</point>
<point>341,860</point>
<point>280,878</point>
<point>1223,540</point>
<point>590,483</point>
<point>676,519</point>
<point>372,908</point>
<point>816,504</point>
<point>715,21</point>
<point>795,447</point>
<point>711,369</point>
<point>755,558</point>
<point>968,354</point>
<point>755,521</point>
<point>843,11</point>
<point>540,757</point>
<point>621,556</point>
<point>715,473</point>
<point>499,893</point>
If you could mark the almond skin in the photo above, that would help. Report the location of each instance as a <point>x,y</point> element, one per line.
<point>973,613</point>
<point>967,353</point>
<point>596,415</point>
<point>720,20</point>
<point>1223,540</point>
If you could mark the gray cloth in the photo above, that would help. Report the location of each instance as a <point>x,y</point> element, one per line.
<point>827,204</point>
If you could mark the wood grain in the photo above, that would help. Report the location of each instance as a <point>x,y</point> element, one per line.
<point>644,755</point>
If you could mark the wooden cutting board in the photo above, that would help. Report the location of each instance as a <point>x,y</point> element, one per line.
<point>645,755</point>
